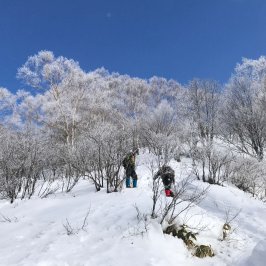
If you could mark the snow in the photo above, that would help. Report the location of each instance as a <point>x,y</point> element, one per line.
<point>258,255</point>
<point>114,236</point>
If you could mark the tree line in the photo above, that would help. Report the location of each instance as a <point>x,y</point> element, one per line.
<point>70,124</point>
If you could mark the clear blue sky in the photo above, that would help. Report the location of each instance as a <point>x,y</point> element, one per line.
<point>179,39</point>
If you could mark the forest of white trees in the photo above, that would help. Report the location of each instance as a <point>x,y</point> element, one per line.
<point>70,124</point>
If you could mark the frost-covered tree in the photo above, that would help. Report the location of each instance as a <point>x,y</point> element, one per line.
<point>249,175</point>
<point>244,111</point>
<point>62,86</point>
<point>131,98</point>
<point>21,162</point>
<point>203,99</point>
<point>158,132</point>
<point>203,104</point>
<point>163,89</point>
<point>9,111</point>
<point>252,69</point>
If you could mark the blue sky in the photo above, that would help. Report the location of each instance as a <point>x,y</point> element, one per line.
<point>179,39</point>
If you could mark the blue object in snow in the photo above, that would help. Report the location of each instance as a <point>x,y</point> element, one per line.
<point>128,182</point>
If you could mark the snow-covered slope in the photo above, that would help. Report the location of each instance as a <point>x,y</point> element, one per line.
<point>114,236</point>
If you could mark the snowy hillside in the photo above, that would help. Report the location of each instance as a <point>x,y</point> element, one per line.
<point>34,232</point>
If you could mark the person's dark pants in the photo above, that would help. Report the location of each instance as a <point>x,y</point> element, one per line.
<point>130,172</point>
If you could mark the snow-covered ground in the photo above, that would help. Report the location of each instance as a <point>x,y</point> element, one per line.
<point>114,236</point>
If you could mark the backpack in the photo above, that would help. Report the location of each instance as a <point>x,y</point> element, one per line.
<point>125,161</point>
<point>168,171</point>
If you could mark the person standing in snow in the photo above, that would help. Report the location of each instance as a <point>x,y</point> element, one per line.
<point>129,164</point>
<point>168,177</point>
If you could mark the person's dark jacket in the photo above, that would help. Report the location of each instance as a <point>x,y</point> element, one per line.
<point>167,174</point>
<point>129,165</point>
